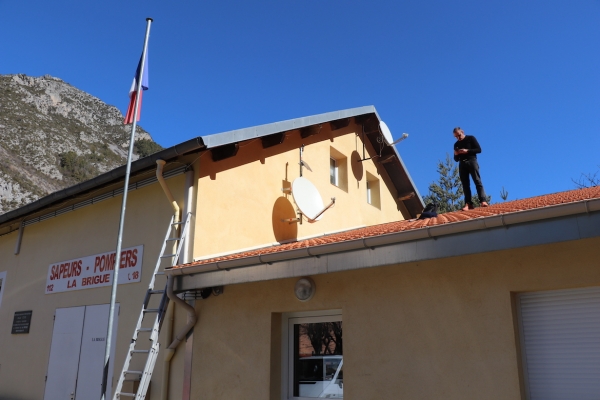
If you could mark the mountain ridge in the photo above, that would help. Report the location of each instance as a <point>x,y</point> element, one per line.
<point>53,135</point>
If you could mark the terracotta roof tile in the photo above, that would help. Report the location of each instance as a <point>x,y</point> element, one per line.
<point>404,225</point>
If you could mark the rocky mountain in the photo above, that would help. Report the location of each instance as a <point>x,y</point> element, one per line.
<point>53,135</point>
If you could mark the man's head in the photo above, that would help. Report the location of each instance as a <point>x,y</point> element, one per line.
<point>459,134</point>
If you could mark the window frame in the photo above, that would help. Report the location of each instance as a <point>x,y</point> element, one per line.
<point>287,340</point>
<point>334,178</point>
<point>373,187</point>
<point>339,172</point>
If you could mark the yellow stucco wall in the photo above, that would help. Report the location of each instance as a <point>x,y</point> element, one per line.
<point>240,203</point>
<point>441,329</point>
<point>86,231</point>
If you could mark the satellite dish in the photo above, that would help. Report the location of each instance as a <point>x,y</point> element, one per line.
<point>308,199</point>
<point>305,165</point>
<point>385,132</point>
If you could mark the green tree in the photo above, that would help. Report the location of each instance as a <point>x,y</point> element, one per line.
<point>77,168</point>
<point>145,147</point>
<point>447,191</point>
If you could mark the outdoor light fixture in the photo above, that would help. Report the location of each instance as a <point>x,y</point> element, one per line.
<point>304,289</point>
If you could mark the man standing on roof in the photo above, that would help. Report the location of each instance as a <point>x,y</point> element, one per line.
<point>466,149</point>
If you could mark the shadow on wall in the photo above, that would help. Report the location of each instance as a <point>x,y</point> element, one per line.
<point>284,231</point>
<point>357,166</point>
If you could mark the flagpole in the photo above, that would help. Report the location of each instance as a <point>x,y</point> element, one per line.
<point>113,294</point>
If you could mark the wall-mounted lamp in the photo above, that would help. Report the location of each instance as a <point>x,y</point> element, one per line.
<point>305,289</point>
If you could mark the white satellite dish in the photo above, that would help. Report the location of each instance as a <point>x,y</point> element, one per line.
<point>308,199</point>
<point>385,132</point>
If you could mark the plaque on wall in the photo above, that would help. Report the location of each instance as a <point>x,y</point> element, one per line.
<point>21,322</point>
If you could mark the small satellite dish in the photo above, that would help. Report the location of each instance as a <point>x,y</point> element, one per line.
<point>385,132</point>
<point>307,198</point>
<point>305,165</point>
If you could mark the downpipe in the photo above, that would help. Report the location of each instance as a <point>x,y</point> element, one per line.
<point>171,307</point>
<point>180,336</point>
<point>159,175</point>
<point>169,316</point>
<point>168,324</point>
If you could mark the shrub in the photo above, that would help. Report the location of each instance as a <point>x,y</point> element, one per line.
<point>145,147</point>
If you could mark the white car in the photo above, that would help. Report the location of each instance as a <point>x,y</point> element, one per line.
<point>321,377</point>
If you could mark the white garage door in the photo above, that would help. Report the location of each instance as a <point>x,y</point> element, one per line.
<point>93,346</point>
<point>77,353</point>
<point>61,380</point>
<point>560,337</point>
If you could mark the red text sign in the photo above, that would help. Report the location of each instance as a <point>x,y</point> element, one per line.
<point>94,271</point>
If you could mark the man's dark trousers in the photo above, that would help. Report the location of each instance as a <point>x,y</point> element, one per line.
<point>470,167</point>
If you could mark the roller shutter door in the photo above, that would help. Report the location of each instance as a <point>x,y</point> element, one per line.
<point>560,339</point>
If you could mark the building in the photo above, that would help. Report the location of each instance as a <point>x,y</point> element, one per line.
<point>495,303</point>
<point>57,251</point>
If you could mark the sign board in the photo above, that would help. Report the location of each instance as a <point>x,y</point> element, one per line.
<point>94,271</point>
<point>21,322</point>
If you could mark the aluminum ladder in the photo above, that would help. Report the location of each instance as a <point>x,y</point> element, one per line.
<point>151,352</point>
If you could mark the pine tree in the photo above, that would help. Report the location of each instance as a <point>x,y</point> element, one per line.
<point>447,192</point>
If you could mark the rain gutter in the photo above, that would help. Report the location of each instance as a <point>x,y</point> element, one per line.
<point>108,177</point>
<point>495,221</point>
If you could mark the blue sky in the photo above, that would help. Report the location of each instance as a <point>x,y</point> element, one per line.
<point>523,77</point>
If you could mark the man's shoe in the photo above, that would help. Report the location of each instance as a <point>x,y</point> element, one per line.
<point>484,204</point>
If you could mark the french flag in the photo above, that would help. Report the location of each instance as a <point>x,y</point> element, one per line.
<point>133,91</point>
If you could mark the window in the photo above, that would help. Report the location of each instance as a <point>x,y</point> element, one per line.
<point>313,356</point>
<point>338,169</point>
<point>373,191</point>
<point>333,172</point>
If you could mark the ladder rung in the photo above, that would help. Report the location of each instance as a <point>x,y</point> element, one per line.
<point>145,329</point>
<point>173,239</point>
<point>160,273</point>
<point>168,255</point>
<point>134,372</point>
<point>178,223</point>
<point>156,291</point>
<point>140,351</point>
<point>152,310</point>
<point>127,394</point>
